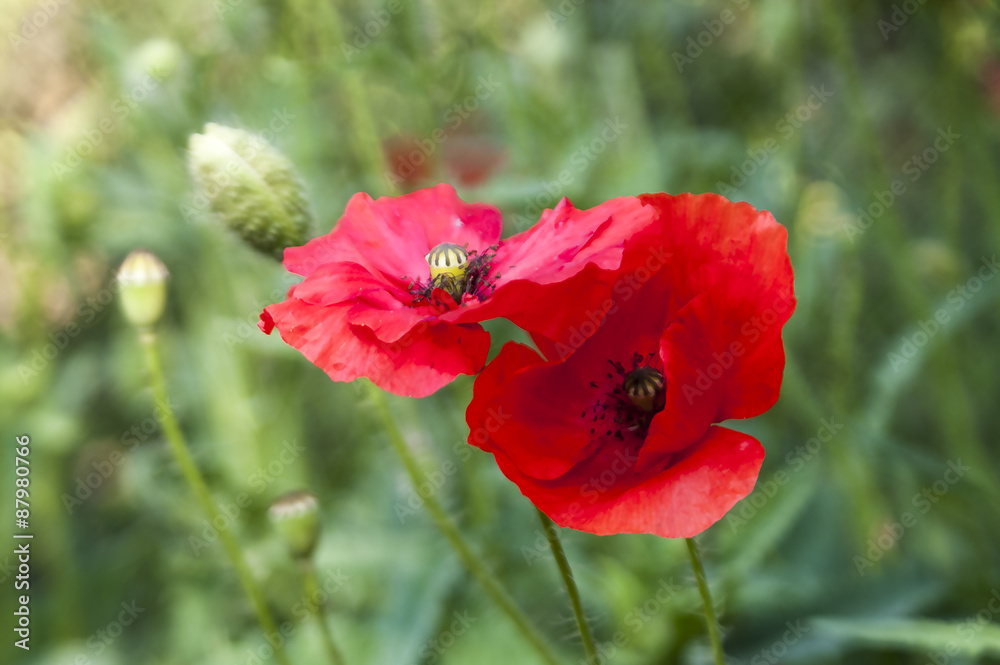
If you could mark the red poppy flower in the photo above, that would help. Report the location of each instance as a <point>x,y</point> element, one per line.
<point>410,163</point>
<point>613,431</point>
<point>396,291</point>
<point>472,159</point>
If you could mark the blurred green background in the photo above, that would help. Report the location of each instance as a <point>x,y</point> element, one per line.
<point>869,129</point>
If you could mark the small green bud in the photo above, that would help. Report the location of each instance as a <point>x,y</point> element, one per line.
<point>251,187</point>
<point>296,517</point>
<point>157,59</point>
<point>143,281</point>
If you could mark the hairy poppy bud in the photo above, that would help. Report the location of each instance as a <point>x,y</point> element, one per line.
<point>295,516</point>
<point>142,278</point>
<point>251,187</point>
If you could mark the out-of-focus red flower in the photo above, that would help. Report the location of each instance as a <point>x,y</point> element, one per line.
<point>990,76</point>
<point>397,290</point>
<point>471,160</point>
<point>409,160</point>
<point>612,431</point>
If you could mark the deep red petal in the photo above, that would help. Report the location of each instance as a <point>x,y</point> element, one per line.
<point>679,502</point>
<point>735,257</point>
<point>512,386</point>
<point>687,411</point>
<point>266,322</point>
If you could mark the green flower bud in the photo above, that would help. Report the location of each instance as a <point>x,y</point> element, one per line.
<point>143,284</point>
<point>296,517</point>
<point>159,59</point>
<point>251,187</point>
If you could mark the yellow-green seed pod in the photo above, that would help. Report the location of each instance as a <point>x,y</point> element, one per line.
<point>253,188</point>
<point>447,259</point>
<point>642,387</point>
<point>142,279</point>
<point>296,517</point>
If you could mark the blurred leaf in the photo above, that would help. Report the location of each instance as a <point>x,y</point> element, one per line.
<point>966,637</point>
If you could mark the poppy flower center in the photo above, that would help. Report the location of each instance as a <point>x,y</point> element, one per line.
<point>448,263</point>
<point>642,387</point>
<point>636,395</point>
<point>456,271</point>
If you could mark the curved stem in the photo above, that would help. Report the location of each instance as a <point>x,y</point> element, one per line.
<point>475,565</point>
<point>179,448</point>
<point>555,544</point>
<point>311,587</point>
<point>706,598</point>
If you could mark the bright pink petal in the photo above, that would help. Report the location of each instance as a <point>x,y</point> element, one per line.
<point>335,283</point>
<point>565,239</point>
<point>553,266</point>
<point>428,357</point>
<point>391,235</point>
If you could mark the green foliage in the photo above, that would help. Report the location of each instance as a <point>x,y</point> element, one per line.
<point>868,129</point>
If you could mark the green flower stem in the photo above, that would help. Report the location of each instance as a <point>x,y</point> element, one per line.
<point>706,598</point>
<point>555,544</point>
<point>310,586</point>
<point>189,470</point>
<point>322,20</point>
<point>471,560</point>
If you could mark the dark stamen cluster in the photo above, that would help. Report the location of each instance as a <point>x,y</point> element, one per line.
<point>620,402</point>
<point>476,281</point>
